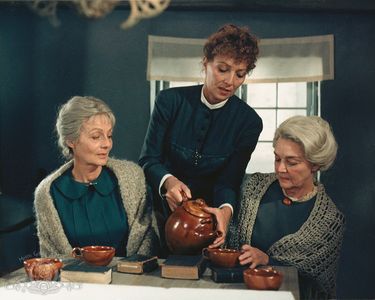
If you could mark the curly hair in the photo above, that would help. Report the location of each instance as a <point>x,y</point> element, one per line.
<point>237,42</point>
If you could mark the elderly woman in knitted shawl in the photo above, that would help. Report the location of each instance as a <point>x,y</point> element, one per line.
<point>92,199</point>
<point>286,217</point>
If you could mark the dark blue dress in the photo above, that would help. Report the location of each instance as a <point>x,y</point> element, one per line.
<point>91,214</point>
<point>275,220</point>
<point>207,149</point>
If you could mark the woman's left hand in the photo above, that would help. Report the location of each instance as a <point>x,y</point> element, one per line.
<point>222,216</point>
<point>253,256</point>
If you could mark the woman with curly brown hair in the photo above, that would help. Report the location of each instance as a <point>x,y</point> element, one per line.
<point>200,138</point>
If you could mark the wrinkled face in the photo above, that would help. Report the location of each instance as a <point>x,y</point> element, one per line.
<point>94,143</point>
<point>292,169</point>
<point>223,77</point>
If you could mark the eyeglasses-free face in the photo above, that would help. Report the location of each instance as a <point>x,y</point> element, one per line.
<point>294,172</point>
<point>94,144</point>
<point>223,77</point>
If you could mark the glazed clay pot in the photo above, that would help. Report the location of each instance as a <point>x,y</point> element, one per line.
<point>224,258</point>
<point>46,269</point>
<point>263,279</point>
<point>189,228</point>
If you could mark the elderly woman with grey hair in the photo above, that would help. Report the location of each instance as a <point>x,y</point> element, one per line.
<point>286,217</point>
<point>92,199</point>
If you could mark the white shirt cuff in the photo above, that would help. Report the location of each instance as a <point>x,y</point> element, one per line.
<point>227,204</point>
<point>162,182</point>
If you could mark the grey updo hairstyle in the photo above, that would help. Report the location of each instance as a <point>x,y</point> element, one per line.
<point>314,135</point>
<point>73,114</point>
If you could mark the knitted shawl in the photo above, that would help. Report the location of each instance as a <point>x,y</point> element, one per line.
<point>143,235</point>
<point>313,249</point>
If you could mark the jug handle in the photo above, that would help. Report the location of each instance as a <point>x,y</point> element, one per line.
<point>206,221</point>
<point>77,252</point>
<point>218,233</point>
<point>184,198</point>
<point>205,252</point>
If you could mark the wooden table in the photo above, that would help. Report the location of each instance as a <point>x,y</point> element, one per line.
<point>153,279</point>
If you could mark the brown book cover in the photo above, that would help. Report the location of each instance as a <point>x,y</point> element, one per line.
<point>137,264</point>
<point>79,271</point>
<point>183,267</point>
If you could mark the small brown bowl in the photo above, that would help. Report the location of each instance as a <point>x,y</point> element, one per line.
<point>46,269</point>
<point>225,258</point>
<point>262,279</point>
<point>95,255</point>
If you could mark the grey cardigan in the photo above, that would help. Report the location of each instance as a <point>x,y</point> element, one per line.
<point>143,234</point>
<point>314,249</point>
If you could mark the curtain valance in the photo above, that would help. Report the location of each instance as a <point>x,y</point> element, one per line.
<point>281,60</point>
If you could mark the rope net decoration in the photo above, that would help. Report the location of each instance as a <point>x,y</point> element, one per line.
<point>95,9</point>
<point>142,9</point>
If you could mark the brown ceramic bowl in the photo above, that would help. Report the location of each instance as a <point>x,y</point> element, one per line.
<point>263,279</point>
<point>46,269</point>
<point>225,258</point>
<point>95,255</point>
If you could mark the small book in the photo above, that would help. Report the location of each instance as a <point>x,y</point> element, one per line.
<point>228,275</point>
<point>79,271</point>
<point>183,267</point>
<point>137,264</point>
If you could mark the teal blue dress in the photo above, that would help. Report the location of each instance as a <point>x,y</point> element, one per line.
<point>275,220</point>
<point>91,214</point>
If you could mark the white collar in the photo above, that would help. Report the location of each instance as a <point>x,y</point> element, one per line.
<point>212,106</point>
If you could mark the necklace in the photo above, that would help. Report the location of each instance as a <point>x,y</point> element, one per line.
<point>288,200</point>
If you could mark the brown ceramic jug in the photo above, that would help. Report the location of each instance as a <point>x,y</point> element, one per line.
<point>46,269</point>
<point>189,228</point>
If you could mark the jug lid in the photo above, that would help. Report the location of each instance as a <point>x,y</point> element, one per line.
<point>195,208</point>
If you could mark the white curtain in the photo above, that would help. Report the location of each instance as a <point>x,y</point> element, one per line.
<point>281,60</point>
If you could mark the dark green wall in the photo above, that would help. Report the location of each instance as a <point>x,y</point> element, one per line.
<point>42,66</point>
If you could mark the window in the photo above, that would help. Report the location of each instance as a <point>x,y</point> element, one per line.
<point>274,102</point>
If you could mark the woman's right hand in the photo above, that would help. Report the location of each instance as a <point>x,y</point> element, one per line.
<point>253,256</point>
<point>176,192</point>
